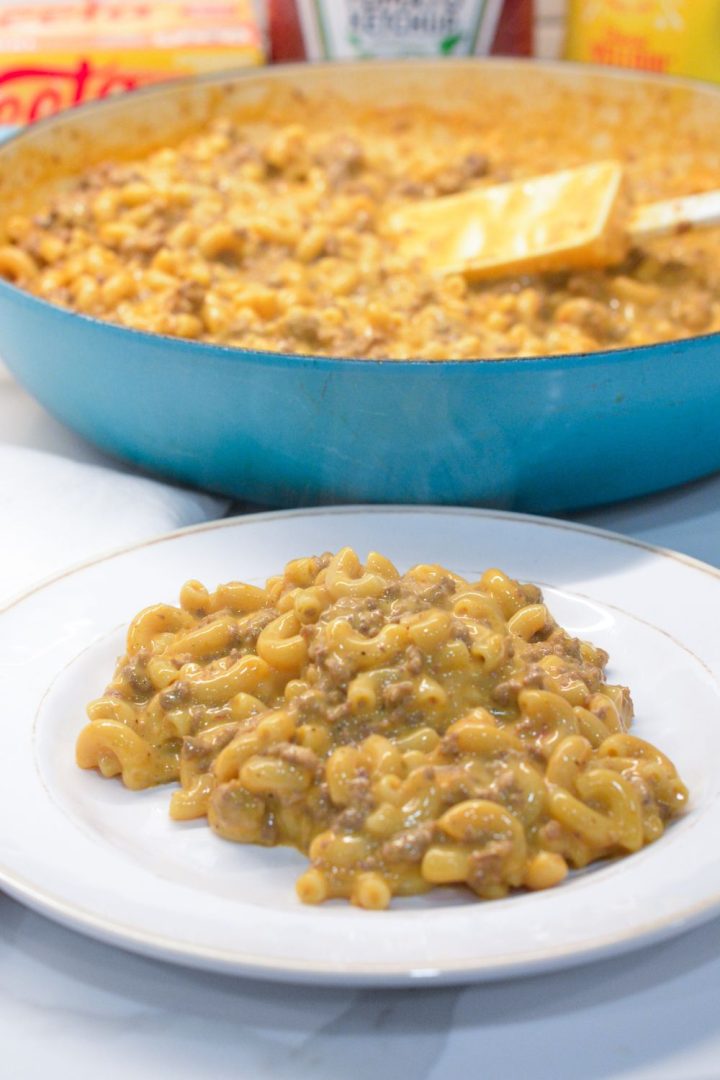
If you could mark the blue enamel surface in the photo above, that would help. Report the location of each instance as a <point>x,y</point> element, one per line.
<point>539,434</point>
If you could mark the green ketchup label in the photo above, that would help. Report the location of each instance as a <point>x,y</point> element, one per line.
<point>339,29</point>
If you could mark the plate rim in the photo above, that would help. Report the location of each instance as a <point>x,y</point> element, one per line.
<point>389,974</point>
<point>339,509</point>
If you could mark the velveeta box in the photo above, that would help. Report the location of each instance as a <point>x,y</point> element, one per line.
<point>58,54</point>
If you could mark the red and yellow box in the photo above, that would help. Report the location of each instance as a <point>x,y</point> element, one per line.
<point>56,55</point>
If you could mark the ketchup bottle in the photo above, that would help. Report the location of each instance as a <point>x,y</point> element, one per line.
<point>286,36</point>
<point>513,36</point>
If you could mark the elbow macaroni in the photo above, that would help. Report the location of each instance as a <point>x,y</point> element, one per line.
<point>406,731</point>
<point>270,232</point>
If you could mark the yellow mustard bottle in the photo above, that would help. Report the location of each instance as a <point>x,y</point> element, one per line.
<point>679,37</point>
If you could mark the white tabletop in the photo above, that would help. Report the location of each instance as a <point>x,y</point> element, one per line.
<point>82,1009</point>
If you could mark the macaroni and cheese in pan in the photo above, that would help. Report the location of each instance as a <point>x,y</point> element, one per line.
<point>405,731</point>
<point>271,234</point>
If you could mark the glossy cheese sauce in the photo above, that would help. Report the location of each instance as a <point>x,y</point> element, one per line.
<point>274,235</point>
<point>405,731</point>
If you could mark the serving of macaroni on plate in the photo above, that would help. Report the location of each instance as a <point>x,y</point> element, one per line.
<point>406,731</point>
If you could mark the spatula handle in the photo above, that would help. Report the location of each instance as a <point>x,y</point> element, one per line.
<point>674,215</point>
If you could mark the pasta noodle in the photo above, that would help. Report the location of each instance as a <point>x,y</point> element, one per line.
<point>272,233</point>
<point>405,731</point>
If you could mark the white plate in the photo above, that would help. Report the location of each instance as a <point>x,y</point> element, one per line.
<point>111,864</point>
